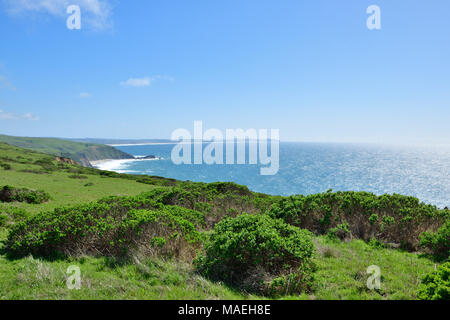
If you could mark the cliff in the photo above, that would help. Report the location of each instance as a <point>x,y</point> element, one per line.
<point>80,152</point>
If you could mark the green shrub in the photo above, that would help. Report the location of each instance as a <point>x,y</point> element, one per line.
<point>389,218</point>
<point>259,254</point>
<point>215,200</point>
<point>76,170</point>
<point>111,227</point>
<point>438,242</point>
<point>46,164</point>
<point>341,232</point>
<point>155,180</point>
<point>11,194</point>
<point>5,166</point>
<point>162,232</point>
<point>376,244</point>
<point>3,219</point>
<point>436,285</point>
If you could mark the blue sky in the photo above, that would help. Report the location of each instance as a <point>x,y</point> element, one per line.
<point>143,68</point>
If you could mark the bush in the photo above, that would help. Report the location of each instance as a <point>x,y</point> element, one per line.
<point>215,200</point>
<point>5,166</point>
<point>436,285</point>
<point>341,232</point>
<point>438,243</point>
<point>3,219</point>
<point>259,254</point>
<point>389,218</point>
<point>11,194</point>
<point>12,215</point>
<point>110,227</point>
<point>46,164</point>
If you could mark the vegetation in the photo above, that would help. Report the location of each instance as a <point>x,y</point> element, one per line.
<point>215,200</point>
<point>5,166</point>
<point>136,237</point>
<point>341,274</point>
<point>107,228</point>
<point>11,194</point>
<point>342,271</point>
<point>107,278</point>
<point>438,242</point>
<point>27,172</point>
<point>392,219</point>
<point>436,285</point>
<point>259,254</point>
<point>78,151</point>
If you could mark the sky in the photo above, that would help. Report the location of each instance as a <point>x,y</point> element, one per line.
<point>144,68</point>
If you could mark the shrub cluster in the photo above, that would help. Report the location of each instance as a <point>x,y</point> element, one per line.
<point>110,227</point>
<point>46,164</point>
<point>389,218</point>
<point>438,243</point>
<point>216,200</point>
<point>5,166</point>
<point>259,254</point>
<point>436,285</point>
<point>3,219</point>
<point>12,194</point>
<point>152,180</point>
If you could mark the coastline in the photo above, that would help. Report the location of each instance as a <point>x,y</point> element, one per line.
<point>110,164</point>
<point>116,165</point>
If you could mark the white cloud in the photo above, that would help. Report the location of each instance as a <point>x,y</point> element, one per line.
<point>29,116</point>
<point>94,13</point>
<point>6,84</point>
<point>144,82</point>
<point>14,116</point>
<point>137,82</point>
<point>85,95</point>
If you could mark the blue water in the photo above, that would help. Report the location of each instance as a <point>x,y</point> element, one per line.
<point>307,168</point>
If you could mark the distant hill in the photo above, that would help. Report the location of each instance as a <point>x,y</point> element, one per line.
<point>78,151</point>
<point>121,141</point>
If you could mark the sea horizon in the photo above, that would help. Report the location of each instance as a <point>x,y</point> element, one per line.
<point>309,168</point>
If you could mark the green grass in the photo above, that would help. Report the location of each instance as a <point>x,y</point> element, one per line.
<point>103,278</point>
<point>68,191</point>
<point>63,189</point>
<point>341,275</point>
<point>342,269</point>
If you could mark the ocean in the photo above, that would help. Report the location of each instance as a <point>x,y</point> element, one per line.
<point>307,168</point>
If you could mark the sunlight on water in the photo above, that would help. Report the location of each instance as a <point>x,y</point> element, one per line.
<point>307,168</point>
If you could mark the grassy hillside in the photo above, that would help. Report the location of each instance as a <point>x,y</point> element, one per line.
<point>62,181</point>
<point>121,141</point>
<point>93,215</point>
<point>341,275</point>
<point>78,151</point>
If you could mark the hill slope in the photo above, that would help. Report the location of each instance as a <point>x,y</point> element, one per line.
<point>121,141</point>
<point>78,151</point>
